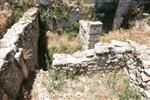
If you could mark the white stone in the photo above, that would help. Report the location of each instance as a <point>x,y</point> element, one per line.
<point>147,71</point>
<point>119,44</point>
<point>58,56</point>
<point>90,53</point>
<point>145,77</point>
<point>101,49</point>
<point>146,64</point>
<point>89,33</point>
<point>133,76</point>
<point>71,60</point>
<point>58,62</point>
<point>4,52</point>
<point>147,93</point>
<point>18,56</point>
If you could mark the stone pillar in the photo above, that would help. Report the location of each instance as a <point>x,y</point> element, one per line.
<point>122,9</point>
<point>89,33</point>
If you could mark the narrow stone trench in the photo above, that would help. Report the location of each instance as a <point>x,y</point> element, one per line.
<point>26,86</point>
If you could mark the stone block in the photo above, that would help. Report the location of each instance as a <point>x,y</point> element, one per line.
<point>145,77</point>
<point>101,49</point>
<point>89,33</point>
<point>94,27</point>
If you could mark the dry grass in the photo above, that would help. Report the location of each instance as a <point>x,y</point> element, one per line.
<point>102,85</point>
<point>55,41</point>
<point>5,18</point>
<point>138,34</point>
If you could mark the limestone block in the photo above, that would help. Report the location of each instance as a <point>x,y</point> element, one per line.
<point>146,64</point>
<point>147,93</point>
<point>92,38</point>
<point>145,77</point>
<point>94,27</point>
<point>147,71</point>
<point>89,33</point>
<point>119,44</point>
<point>90,53</point>
<point>132,76</point>
<point>101,49</point>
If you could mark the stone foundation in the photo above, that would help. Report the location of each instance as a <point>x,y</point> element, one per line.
<point>134,58</point>
<point>19,54</point>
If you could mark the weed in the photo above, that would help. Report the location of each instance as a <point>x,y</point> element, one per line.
<point>121,87</point>
<point>128,93</point>
<point>65,49</point>
<point>19,10</point>
<point>17,14</point>
<point>60,11</point>
<point>73,30</point>
<point>57,78</point>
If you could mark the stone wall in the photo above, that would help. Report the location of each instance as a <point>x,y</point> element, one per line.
<point>89,33</point>
<point>138,69</point>
<point>19,54</point>
<point>103,56</point>
<point>134,58</point>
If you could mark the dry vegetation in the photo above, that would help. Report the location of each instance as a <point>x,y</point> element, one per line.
<point>64,41</point>
<point>139,33</point>
<point>1,45</point>
<point>5,22</point>
<point>102,85</point>
<point>5,18</point>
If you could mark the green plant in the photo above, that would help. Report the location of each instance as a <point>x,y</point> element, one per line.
<point>46,20</point>
<point>19,10</point>
<point>121,87</point>
<point>60,11</point>
<point>65,49</point>
<point>56,78</point>
<point>128,93</point>
<point>112,82</point>
<point>73,30</point>
<point>17,14</point>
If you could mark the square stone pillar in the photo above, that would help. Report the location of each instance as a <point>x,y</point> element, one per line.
<point>89,33</point>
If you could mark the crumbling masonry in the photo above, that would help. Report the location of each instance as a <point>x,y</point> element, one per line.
<point>18,54</point>
<point>133,57</point>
